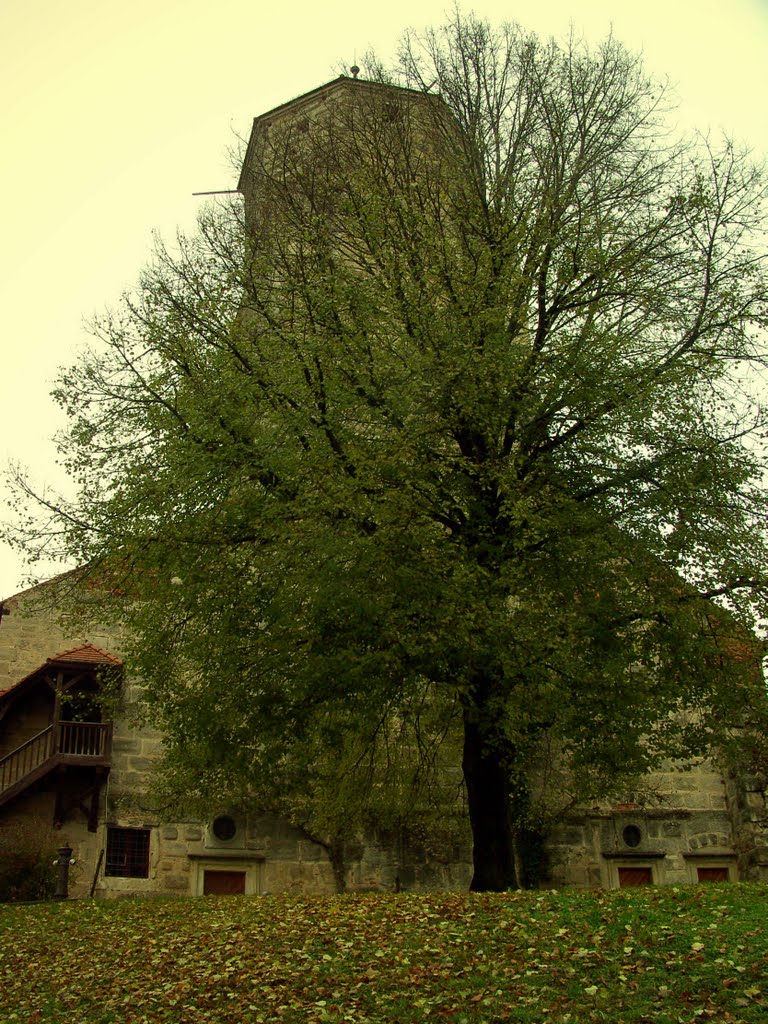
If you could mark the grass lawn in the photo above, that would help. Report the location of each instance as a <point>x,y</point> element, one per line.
<point>651,956</point>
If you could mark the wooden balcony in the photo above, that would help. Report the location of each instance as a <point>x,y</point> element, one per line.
<point>62,743</point>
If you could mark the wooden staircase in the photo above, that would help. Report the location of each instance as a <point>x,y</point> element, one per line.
<point>62,743</point>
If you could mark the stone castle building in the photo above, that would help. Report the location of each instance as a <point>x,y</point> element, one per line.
<point>83,766</point>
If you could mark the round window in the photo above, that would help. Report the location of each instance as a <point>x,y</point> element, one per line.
<point>224,827</point>
<point>632,835</point>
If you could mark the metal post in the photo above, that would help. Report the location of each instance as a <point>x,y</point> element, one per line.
<point>62,882</point>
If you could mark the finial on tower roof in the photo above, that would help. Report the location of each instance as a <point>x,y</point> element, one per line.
<point>355,70</point>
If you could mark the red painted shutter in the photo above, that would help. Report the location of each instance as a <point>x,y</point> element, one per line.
<point>223,883</point>
<point>634,876</point>
<point>712,874</point>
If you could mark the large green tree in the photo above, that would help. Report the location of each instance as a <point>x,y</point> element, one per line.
<point>454,425</point>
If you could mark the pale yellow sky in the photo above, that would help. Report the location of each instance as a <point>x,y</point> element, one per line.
<point>112,114</point>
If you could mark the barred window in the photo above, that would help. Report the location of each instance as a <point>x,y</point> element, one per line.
<point>127,852</point>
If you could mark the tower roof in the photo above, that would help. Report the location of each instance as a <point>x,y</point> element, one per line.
<point>314,99</point>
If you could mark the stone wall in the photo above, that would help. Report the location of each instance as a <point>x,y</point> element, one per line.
<point>748,809</point>
<point>688,819</point>
<point>31,633</point>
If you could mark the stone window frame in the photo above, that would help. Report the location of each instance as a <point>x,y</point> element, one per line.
<point>235,842</point>
<point>700,859</point>
<point>225,828</point>
<point>652,860</point>
<point>253,867</point>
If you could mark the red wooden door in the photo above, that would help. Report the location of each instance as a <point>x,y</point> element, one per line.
<point>712,874</point>
<point>223,883</point>
<point>634,876</point>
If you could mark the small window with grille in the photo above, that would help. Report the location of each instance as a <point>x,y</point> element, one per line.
<point>127,852</point>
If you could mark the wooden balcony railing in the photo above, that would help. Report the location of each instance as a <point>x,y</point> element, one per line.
<point>85,739</point>
<point>66,742</point>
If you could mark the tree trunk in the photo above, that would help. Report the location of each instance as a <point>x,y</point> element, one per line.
<point>336,849</point>
<point>486,777</point>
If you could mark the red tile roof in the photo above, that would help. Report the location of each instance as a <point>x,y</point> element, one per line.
<point>88,654</point>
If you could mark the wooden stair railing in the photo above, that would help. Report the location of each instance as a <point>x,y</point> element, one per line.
<point>27,757</point>
<point>60,743</point>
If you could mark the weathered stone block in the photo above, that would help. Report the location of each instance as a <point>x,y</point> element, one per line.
<point>125,745</point>
<point>571,837</point>
<point>131,782</point>
<point>176,883</point>
<point>593,875</point>
<point>284,849</point>
<point>174,849</point>
<point>308,851</point>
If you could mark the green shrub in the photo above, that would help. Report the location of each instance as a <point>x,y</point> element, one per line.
<point>27,853</point>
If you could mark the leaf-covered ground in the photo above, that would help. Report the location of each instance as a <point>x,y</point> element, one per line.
<point>654,956</point>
